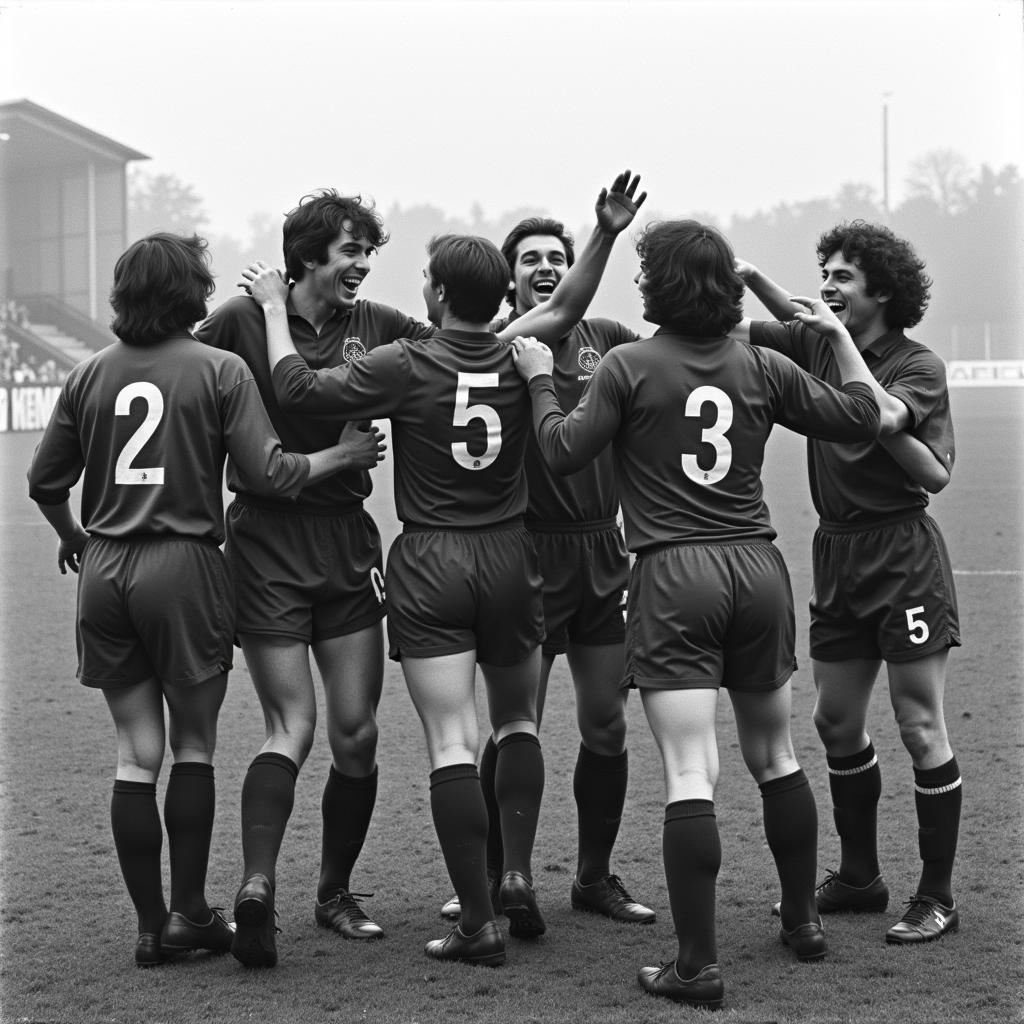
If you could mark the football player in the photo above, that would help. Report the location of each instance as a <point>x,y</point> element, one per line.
<point>883,583</point>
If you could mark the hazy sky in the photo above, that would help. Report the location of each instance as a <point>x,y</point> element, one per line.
<point>725,106</point>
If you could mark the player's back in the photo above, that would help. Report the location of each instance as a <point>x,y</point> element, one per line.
<point>151,423</point>
<point>460,431</point>
<point>691,419</point>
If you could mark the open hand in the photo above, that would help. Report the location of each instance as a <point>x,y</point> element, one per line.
<point>616,206</point>
<point>532,357</point>
<point>264,284</point>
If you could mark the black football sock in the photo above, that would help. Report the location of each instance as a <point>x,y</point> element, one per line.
<point>189,806</point>
<point>495,845</point>
<point>599,786</point>
<point>460,820</point>
<point>519,787</point>
<point>692,852</point>
<point>938,794</point>
<point>138,839</point>
<point>346,807</point>
<point>791,828</point>
<point>855,783</point>
<point>268,794</point>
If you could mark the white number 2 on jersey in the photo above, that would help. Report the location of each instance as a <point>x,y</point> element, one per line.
<point>713,435</point>
<point>124,471</point>
<point>466,413</point>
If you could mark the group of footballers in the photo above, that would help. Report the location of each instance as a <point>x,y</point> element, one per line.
<point>510,555</point>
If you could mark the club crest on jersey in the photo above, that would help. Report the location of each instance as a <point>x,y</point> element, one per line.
<point>352,349</point>
<point>588,359</point>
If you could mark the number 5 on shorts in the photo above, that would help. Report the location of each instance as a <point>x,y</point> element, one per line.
<point>917,628</point>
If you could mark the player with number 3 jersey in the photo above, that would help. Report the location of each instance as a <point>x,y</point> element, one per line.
<point>688,412</point>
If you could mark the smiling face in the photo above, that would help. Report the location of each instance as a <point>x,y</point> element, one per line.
<point>844,289</point>
<point>540,263</point>
<point>336,282</point>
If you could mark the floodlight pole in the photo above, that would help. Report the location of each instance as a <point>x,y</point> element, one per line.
<point>885,152</point>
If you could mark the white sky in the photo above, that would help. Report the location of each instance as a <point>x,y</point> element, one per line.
<point>725,106</point>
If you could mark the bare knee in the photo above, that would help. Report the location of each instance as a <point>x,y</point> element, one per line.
<point>923,739</point>
<point>605,735</point>
<point>839,733</point>
<point>355,743</point>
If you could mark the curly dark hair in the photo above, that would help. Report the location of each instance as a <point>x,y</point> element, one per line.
<point>890,266</point>
<point>161,284</point>
<point>318,220</point>
<point>691,283</point>
<point>535,226</point>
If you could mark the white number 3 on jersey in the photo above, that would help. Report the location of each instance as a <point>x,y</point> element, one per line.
<point>124,471</point>
<point>713,435</point>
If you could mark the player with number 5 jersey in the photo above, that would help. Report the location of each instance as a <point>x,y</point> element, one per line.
<point>148,422</point>
<point>688,413</point>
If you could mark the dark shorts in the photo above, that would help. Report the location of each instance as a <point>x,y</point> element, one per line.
<point>585,572</point>
<point>304,575</point>
<point>451,591</point>
<point>153,609</point>
<point>703,616</point>
<point>882,592</point>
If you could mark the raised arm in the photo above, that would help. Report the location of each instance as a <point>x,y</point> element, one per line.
<point>816,315</point>
<point>774,297</point>
<point>615,209</point>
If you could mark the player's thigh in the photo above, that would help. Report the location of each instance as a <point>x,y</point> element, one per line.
<point>917,690</point>
<point>843,698</point>
<point>138,714</point>
<point>597,674</point>
<point>352,668</point>
<point>442,692</point>
<point>683,724</point>
<point>283,681</point>
<point>762,724</point>
<point>192,713</point>
<point>512,695</point>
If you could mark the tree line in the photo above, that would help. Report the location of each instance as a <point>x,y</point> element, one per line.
<point>968,225</point>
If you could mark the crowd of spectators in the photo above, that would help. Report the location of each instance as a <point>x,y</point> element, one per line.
<point>17,367</point>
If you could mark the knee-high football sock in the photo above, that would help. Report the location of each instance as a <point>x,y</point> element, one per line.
<point>268,794</point>
<point>519,787</point>
<point>938,795</point>
<point>346,807</point>
<point>599,786</point>
<point>460,820</point>
<point>189,806</point>
<point>138,838</point>
<point>855,783</point>
<point>791,828</point>
<point>692,852</point>
<point>495,844</point>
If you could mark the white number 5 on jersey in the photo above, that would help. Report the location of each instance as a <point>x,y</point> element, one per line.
<point>124,471</point>
<point>713,435</point>
<point>466,413</point>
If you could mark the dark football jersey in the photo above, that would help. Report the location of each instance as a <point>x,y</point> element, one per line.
<point>460,415</point>
<point>854,482</point>
<point>589,494</point>
<point>688,420</point>
<point>239,326</point>
<point>150,427</point>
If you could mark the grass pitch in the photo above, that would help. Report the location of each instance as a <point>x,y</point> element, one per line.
<point>67,927</point>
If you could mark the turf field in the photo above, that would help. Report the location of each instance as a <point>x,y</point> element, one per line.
<point>68,927</point>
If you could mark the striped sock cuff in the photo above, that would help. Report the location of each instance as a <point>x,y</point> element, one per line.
<point>937,790</point>
<point>936,781</point>
<point>853,764</point>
